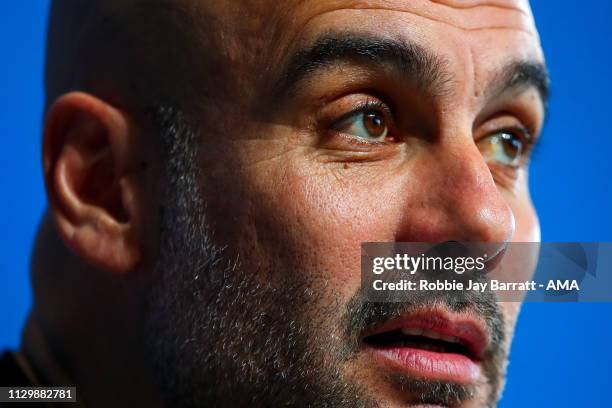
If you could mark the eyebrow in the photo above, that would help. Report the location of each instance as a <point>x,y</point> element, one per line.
<point>415,62</point>
<point>426,70</point>
<point>520,75</point>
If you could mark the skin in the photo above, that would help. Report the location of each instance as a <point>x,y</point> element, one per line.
<point>296,200</point>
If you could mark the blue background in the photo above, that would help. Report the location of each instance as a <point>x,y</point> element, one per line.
<point>561,356</point>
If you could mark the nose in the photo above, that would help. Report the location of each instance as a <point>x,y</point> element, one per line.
<point>456,199</point>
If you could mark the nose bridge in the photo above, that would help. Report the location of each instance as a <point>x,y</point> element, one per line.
<point>473,206</point>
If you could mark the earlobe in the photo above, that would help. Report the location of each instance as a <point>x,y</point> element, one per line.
<point>86,156</point>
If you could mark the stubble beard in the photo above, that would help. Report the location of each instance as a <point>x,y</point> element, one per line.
<point>217,336</point>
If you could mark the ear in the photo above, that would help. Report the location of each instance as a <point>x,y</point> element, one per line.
<point>87,162</point>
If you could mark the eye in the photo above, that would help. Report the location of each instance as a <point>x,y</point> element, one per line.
<point>503,147</point>
<point>370,125</point>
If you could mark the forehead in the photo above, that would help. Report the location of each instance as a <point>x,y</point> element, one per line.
<point>463,32</point>
<point>471,35</point>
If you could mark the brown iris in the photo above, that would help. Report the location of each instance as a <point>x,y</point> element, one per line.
<point>374,123</point>
<point>502,147</point>
<point>512,146</point>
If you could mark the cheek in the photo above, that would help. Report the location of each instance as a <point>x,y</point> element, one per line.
<point>510,311</point>
<point>320,220</point>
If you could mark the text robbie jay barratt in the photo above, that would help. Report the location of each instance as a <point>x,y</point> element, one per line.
<point>494,285</point>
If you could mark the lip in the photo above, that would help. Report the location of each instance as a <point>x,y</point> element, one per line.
<point>434,365</point>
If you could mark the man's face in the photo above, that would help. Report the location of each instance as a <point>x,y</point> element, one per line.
<point>340,123</point>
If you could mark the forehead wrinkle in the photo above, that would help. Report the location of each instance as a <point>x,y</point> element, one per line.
<point>524,23</point>
<point>512,5</point>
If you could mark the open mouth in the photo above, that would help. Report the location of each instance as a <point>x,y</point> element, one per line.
<point>418,339</point>
<point>432,346</point>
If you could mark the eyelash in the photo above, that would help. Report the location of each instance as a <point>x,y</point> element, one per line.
<point>365,106</point>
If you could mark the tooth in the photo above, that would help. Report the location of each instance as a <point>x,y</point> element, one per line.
<point>431,334</point>
<point>449,339</point>
<point>412,332</point>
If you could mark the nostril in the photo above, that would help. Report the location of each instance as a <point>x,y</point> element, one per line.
<point>452,249</point>
<point>495,257</point>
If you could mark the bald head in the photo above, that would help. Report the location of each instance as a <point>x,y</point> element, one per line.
<point>132,54</point>
<point>144,52</point>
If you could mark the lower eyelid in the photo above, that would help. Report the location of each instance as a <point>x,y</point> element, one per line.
<point>358,141</point>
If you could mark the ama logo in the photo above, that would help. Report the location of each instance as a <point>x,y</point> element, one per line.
<point>565,285</point>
